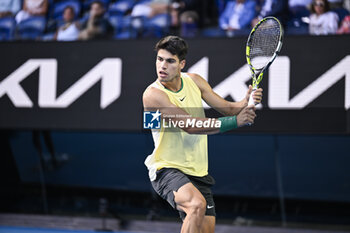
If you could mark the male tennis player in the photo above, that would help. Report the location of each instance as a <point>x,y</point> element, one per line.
<point>178,166</point>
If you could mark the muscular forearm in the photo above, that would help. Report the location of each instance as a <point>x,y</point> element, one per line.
<point>232,109</point>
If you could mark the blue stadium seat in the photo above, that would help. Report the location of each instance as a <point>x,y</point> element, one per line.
<point>341,12</point>
<point>189,30</point>
<point>122,27</point>
<point>7,28</point>
<point>121,7</point>
<point>157,26</point>
<point>32,28</point>
<point>220,5</point>
<point>58,8</point>
<point>116,20</point>
<point>296,24</point>
<point>143,1</point>
<point>213,32</point>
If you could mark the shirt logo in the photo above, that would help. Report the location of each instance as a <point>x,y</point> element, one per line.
<point>151,120</point>
<point>182,98</point>
<point>210,206</point>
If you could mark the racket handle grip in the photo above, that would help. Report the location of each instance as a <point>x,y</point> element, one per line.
<point>251,100</point>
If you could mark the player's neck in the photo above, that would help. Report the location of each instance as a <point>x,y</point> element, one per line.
<point>174,85</point>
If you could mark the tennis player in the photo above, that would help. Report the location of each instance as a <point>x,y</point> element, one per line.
<point>178,166</point>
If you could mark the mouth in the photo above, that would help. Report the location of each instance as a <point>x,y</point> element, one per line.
<point>162,74</point>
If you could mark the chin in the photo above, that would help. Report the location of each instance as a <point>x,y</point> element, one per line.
<point>163,79</point>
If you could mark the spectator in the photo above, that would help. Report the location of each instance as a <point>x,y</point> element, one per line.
<point>189,24</point>
<point>237,16</point>
<point>185,16</point>
<point>176,8</point>
<point>322,21</point>
<point>344,26</point>
<point>151,8</point>
<point>9,7</point>
<point>96,26</point>
<point>69,30</point>
<point>32,8</point>
<point>276,8</point>
<point>206,11</point>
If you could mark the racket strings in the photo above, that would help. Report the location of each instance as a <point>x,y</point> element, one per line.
<point>263,43</point>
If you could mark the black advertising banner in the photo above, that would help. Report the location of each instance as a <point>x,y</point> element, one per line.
<point>99,85</point>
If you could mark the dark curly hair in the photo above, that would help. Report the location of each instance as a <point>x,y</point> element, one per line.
<point>174,45</point>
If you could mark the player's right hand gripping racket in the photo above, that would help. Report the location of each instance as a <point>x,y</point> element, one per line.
<point>263,45</point>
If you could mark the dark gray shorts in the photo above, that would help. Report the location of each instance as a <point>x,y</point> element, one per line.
<point>171,179</point>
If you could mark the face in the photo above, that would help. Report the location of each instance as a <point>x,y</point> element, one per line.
<point>168,66</point>
<point>68,15</point>
<point>96,10</point>
<point>319,7</point>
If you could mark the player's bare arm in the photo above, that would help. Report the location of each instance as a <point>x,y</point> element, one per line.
<point>221,105</point>
<point>154,98</point>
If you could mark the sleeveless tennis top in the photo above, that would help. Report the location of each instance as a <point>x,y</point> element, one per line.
<point>173,147</point>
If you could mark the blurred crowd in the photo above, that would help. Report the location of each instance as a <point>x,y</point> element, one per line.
<point>68,20</point>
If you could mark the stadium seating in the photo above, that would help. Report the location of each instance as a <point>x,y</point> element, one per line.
<point>341,12</point>
<point>7,28</point>
<point>128,27</point>
<point>156,26</point>
<point>122,27</point>
<point>121,7</point>
<point>213,32</point>
<point>32,28</point>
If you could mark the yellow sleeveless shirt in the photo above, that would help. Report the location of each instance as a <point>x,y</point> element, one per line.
<point>174,148</point>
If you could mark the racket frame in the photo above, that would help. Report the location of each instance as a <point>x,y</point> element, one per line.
<point>256,74</point>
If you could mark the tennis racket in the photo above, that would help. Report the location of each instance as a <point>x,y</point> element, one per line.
<point>263,45</point>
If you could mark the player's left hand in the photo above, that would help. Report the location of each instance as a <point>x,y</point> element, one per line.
<point>257,95</point>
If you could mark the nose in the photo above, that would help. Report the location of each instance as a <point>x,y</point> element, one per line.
<point>163,65</point>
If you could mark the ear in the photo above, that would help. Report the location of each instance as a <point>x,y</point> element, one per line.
<point>182,64</point>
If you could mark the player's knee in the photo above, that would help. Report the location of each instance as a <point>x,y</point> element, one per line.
<point>198,206</point>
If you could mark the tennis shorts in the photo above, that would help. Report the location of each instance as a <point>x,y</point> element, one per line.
<point>171,179</point>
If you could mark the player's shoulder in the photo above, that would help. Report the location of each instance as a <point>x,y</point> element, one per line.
<point>198,80</point>
<point>152,92</point>
<point>154,97</point>
<point>195,77</point>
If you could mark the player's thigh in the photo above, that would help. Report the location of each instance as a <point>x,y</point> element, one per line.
<point>188,196</point>
<point>208,225</point>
